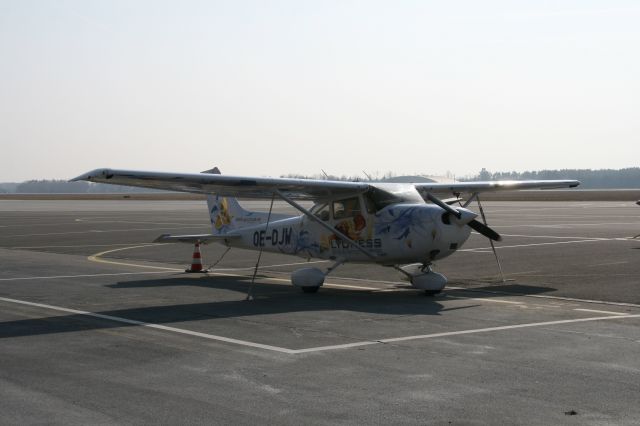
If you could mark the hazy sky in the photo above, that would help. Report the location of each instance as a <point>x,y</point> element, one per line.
<point>275,87</point>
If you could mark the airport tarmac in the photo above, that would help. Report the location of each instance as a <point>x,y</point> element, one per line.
<point>98,326</point>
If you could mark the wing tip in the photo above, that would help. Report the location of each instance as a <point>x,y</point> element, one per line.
<point>89,176</point>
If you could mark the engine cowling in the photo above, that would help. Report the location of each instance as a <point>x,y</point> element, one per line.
<point>307,277</point>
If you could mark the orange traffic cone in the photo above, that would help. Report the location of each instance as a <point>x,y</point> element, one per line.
<point>196,263</point>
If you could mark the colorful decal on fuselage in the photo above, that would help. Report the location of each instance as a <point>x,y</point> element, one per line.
<point>221,212</point>
<point>403,224</point>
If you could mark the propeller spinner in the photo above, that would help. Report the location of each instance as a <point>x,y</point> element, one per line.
<point>476,225</point>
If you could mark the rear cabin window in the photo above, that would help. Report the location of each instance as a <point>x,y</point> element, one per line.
<point>349,207</point>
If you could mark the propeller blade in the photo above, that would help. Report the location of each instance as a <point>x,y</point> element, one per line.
<point>483,229</point>
<point>446,207</point>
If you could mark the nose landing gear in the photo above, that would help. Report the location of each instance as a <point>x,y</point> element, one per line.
<point>421,276</point>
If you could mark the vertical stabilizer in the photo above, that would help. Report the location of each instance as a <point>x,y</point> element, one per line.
<point>226,214</point>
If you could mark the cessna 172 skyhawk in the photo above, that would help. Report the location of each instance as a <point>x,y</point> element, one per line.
<point>389,224</point>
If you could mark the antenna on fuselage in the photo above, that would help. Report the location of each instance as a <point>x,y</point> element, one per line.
<point>326,176</point>
<point>367,175</point>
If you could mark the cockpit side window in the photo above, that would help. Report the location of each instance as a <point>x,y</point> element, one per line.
<point>349,207</point>
<point>321,211</point>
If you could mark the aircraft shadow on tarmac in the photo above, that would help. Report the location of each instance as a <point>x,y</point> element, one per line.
<point>269,299</point>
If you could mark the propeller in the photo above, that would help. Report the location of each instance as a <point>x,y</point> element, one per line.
<point>483,229</point>
<point>476,225</point>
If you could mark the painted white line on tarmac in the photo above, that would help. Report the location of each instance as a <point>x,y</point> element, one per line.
<point>505,327</point>
<point>151,325</point>
<point>564,225</point>
<point>461,332</point>
<point>355,287</point>
<point>53,277</point>
<point>106,231</point>
<point>98,258</point>
<point>554,236</point>
<point>80,245</point>
<point>570,299</point>
<point>609,263</point>
<point>313,349</point>
<point>600,312</point>
<point>511,302</point>
<point>199,222</point>
<point>270,266</point>
<point>542,296</point>
<point>488,249</point>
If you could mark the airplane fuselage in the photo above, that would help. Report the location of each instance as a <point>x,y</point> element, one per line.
<point>398,233</point>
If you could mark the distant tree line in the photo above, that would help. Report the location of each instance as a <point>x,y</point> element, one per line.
<point>628,178</point>
<point>354,178</point>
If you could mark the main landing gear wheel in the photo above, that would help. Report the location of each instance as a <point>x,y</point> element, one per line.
<point>431,293</point>
<point>313,289</point>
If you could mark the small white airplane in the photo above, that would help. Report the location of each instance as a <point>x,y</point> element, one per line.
<point>404,226</point>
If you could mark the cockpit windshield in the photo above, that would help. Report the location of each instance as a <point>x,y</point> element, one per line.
<point>380,197</point>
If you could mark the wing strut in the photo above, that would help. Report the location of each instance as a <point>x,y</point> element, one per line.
<point>324,225</point>
<point>493,247</point>
<point>255,271</point>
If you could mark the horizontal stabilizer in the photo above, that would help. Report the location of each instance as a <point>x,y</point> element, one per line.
<point>196,238</point>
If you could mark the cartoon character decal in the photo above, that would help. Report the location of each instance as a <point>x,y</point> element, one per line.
<point>220,211</point>
<point>304,242</point>
<point>352,227</point>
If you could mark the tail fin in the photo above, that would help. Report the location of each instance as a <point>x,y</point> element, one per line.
<point>227,214</point>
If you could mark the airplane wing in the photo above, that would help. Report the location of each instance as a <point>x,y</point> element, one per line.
<point>505,185</point>
<point>300,189</point>
<point>225,185</point>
